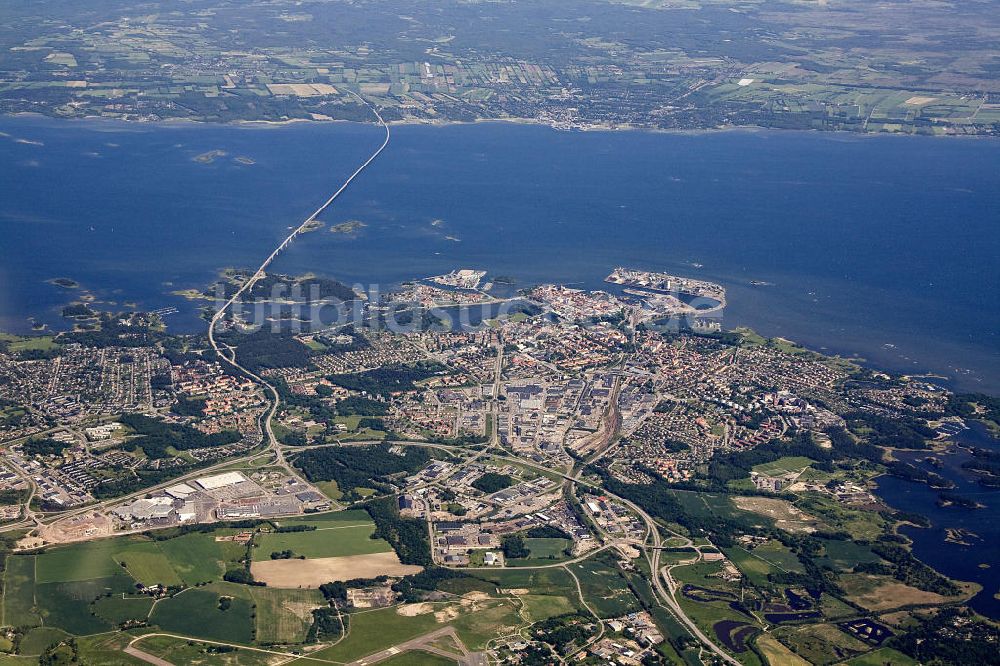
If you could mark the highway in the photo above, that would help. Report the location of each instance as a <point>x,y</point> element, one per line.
<point>260,273</point>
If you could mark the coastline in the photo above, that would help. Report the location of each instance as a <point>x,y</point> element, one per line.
<point>594,128</point>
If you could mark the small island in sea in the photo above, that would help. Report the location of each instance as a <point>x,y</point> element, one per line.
<point>348,228</point>
<point>209,156</point>
<point>313,225</point>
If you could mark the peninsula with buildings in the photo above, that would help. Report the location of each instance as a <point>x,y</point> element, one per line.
<point>565,481</point>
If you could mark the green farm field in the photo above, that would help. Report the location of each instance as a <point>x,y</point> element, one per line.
<point>331,541</point>
<point>196,612</point>
<point>284,616</point>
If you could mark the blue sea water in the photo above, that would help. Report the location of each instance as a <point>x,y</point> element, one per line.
<point>883,247</point>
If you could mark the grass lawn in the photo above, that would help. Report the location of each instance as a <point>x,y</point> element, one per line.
<point>843,555</point>
<point>820,643</point>
<point>477,627</point>
<point>783,466</point>
<point>19,591</point>
<point>833,608</point>
<point>116,610</point>
<point>30,343</point>
<point>330,489</point>
<point>861,525</point>
<point>332,519</point>
<point>553,581</point>
<point>283,616</point>
<point>68,605</point>
<point>11,660</point>
<point>331,541</point>
<point>754,568</point>
<point>376,630</point>
<point>418,658</point>
<point>39,638</point>
<point>79,561</point>
<point>547,548</point>
<point>180,651</point>
<point>880,657</point>
<point>706,505</point>
<point>147,563</point>
<point>106,650</point>
<point>199,558</point>
<point>777,654</point>
<point>766,558</point>
<point>604,588</point>
<point>543,606</point>
<point>195,612</point>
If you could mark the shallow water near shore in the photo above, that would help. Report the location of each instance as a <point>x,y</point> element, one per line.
<point>883,247</point>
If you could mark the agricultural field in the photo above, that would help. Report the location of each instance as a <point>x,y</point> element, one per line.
<point>199,558</point>
<point>79,62</point>
<point>329,541</point>
<point>284,616</point>
<point>106,650</point>
<point>88,588</point>
<point>117,609</point>
<point>67,604</point>
<point>147,564</point>
<point>78,562</point>
<point>198,612</point>
<point>706,505</point>
<point>334,519</point>
<point>19,591</point>
<point>311,573</point>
